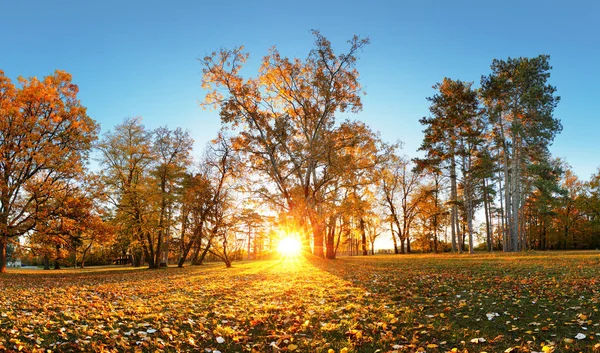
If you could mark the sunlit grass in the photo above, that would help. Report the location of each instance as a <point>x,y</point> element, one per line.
<point>393,303</point>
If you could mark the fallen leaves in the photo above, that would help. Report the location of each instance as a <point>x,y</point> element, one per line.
<point>417,303</point>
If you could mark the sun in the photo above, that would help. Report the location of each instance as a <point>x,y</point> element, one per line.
<point>289,246</point>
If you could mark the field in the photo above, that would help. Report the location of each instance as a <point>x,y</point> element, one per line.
<point>534,302</point>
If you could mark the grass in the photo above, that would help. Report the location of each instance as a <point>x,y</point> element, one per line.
<point>434,303</point>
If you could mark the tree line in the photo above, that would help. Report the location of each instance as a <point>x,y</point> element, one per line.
<point>285,163</point>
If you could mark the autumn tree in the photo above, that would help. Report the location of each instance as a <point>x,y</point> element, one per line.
<point>127,155</point>
<point>286,118</point>
<point>251,223</point>
<point>520,105</point>
<point>173,151</point>
<point>399,184</point>
<point>45,138</point>
<point>453,135</point>
<point>431,212</point>
<point>591,209</point>
<point>204,195</point>
<point>74,222</point>
<point>143,170</point>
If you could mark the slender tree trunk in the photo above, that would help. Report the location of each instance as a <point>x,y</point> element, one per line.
<point>57,258</point>
<point>486,210</point>
<point>249,242</point>
<point>46,262</point>
<point>363,235</point>
<point>502,220</point>
<point>460,238</point>
<point>507,191</point>
<point>339,238</point>
<point>84,254</point>
<point>3,245</point>
<point>544,234</point>
<point>330,241</point>
<point>402,246</point>
<point>394,238</point>
<point>149,251</point>
<point>185,253</point>
<point>514,225</point>
<point>161,223</point>
<point>453,208</point>
<point>470,213</point>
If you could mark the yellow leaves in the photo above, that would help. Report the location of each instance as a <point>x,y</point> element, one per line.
<point>547,349</point>
<point>255,304</point>
<point>331,350</point>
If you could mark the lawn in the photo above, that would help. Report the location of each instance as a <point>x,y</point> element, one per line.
<point>544,302</point>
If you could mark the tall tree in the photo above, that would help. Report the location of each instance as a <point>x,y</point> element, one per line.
<point>399,183</point>
<point>173,150</point>
<point>203,196</point>
<point>452,138</point>
<point>45,137</point>
<point>520,105</point>
<point>286,117</point>
<point>127,155</point>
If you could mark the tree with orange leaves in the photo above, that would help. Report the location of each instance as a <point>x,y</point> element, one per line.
<point>286,118</point>
<point>45,137</point>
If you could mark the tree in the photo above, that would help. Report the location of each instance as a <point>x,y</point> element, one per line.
<point>173,150</point>
<point>453,135</point>
<point>520,105</point>
<point>399,184</point>
<point>286,118</point>
<point>73,221</point>
<point>203,198</point>
<point>127,155</point>
<point>144,171</point>
<point>431,212</point>
<point>45,138</point>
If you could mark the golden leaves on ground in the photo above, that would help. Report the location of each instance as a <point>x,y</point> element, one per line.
<point>525,303</point>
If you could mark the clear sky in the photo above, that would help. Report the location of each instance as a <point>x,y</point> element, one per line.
<point>139,58</point>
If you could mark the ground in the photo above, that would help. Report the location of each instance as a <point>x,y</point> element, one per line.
<point>544,302</point>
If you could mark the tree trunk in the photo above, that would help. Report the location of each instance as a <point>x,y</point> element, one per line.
<point>249,243</point>
<point>394,238</point>
<point>83,255</point>
<point>453,208</point>
<point>46,262</point>
<point>330,242</point>
<point>57,258</point>
<point>486,210</point>
<point>3,244</point>
<point>196,239</point>
<point>227,261</point>
<point>402,246</point>
<point>339,238</point>
<point>363,235</point>
<point>514,224</point>
<point>200,260</point>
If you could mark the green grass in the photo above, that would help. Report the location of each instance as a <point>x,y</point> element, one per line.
<point>433,303</point>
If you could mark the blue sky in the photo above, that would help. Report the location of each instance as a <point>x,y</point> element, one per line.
<point>138,58</point>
